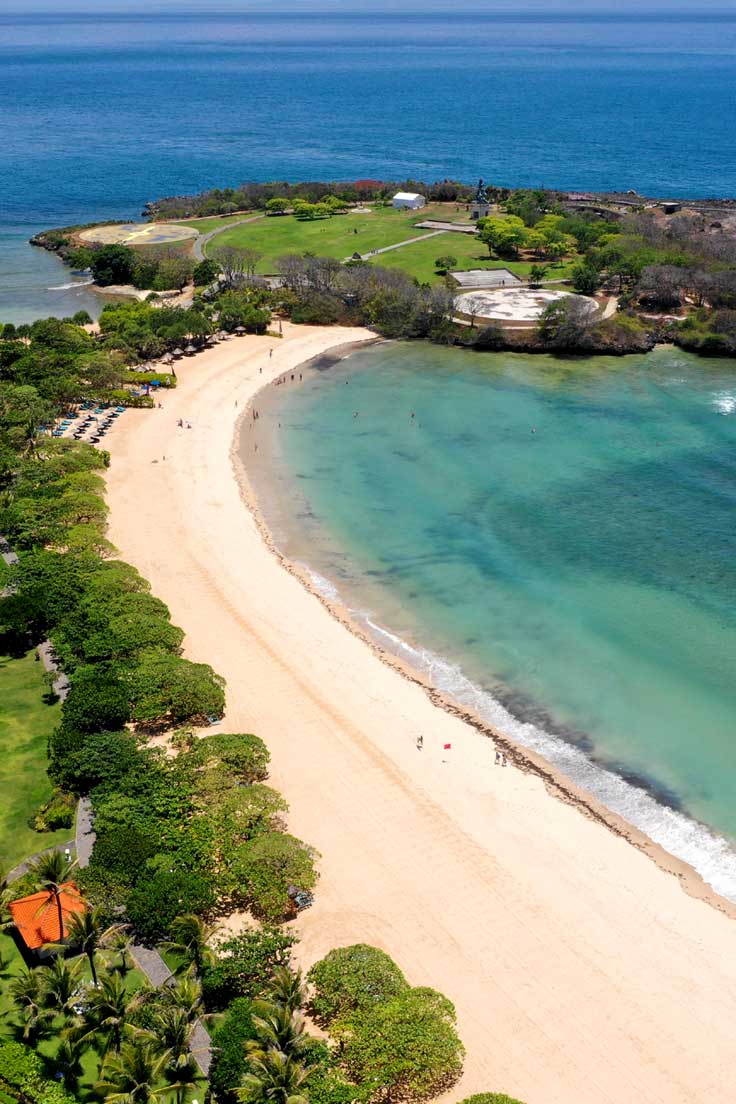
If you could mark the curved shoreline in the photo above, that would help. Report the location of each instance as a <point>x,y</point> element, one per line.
<point>578,967</point>
<point>557,783</point>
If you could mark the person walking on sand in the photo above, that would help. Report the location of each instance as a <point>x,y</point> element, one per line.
<point>420,742</point>
<point>270,354</point>
<point>498,757</point>
<point>503,760</point>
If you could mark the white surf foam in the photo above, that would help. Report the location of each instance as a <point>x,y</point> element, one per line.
<point>725,402</point>
<point>710,854</point>
<point>73,284</point>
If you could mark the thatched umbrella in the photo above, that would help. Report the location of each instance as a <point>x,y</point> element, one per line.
<point>190,349</point>
<point>178,353</point>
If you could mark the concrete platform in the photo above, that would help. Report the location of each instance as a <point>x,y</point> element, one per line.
<point>485,278</point>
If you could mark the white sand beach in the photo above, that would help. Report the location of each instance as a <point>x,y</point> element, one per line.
<point>582,971</point>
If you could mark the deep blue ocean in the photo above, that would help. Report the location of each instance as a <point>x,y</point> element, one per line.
<point>102,111</point>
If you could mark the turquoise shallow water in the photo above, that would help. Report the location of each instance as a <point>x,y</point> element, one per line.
<point>553,542</point>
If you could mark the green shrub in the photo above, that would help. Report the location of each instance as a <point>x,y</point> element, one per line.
<point>406,1047</point>
<point>261,872</point>
<point>159,898</point>
<point>164,688</point>
<point>352,980</point>
<point>228,1047</point>
<point>22,1070</point>
<point>57,812</point>
<point>490,1098</point>
<point>165,379</point>
<point>245,757</point>
<point>245,965</point>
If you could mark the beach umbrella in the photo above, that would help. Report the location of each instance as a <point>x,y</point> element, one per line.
<point>190,349</point>
<point>167,358</point>
<point>240,329</point>
<point>178,353</point>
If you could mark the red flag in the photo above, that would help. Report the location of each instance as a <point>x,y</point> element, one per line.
<point>447,746</point>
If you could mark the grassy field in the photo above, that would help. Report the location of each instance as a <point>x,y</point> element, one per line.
<point>26,722</point>
<point>418,258</point>
<point>334,237</point>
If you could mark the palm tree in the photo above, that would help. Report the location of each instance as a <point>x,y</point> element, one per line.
<point>134,1076</point>
<point>274,1078</point>
<point>190,938</point>
<point>69,1059</point>
<point>182,1076</point>
<point>187,995</point>
<point>278,1029</point>
<point>61,985</point>
<point>29,995</point>
<point>108,1012</point>
<point>86,930</point>
<point>116,939</point>
<point>49,873</point>
<point>172,1035</point>
<point>287,988</point>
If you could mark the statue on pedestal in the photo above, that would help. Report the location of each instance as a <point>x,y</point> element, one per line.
<point>480,207</point>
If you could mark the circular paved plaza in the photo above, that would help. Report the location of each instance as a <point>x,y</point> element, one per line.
<point>513,304</point>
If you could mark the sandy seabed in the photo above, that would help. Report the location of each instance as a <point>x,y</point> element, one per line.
<point>581,970</point>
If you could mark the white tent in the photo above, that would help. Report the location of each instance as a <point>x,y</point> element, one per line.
<point>412,200</point>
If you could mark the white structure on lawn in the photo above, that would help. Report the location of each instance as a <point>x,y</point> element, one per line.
<point>411,200</point>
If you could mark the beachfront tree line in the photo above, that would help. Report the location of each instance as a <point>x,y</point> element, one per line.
<point>275,197</point>
<point>181,839</point>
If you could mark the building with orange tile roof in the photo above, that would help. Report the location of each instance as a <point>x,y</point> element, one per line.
<point>37,917</point>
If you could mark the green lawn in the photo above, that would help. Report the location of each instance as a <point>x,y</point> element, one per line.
<point>26,722</point>
<point>333,237</point>
<point>418,258</point>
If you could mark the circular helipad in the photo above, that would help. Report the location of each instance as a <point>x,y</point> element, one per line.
<point>138,233</point>
<point>513,304</point>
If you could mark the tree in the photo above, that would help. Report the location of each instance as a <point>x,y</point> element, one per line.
<point>537,274</point>
<point>274,1078</point>
<point>264,869</point>
<point>134,1076</point>
<point>228,1048</point>
<point>233,262</point>
<point>245,965</point>
<point>444,263</point>
<point>113,264</point>
<point>190,938</point>
<point>286,989</point>
<point>61,982</point>
<point>406,1047</point>
<point>564,323</point>
<point>108,1012</point>
<point>29,997</point>
<point>505,234</point>
<point>49,873</point>
<point>244,757</point>
<point>351,980</point>
<point>586,278</point>
<point>277,205</point>
<point>96,701</point>
<point>205,272</point>
<point>165,689</point>
<point>86,931</point>
<point>158,898</point>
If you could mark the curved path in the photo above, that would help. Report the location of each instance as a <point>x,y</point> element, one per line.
<point>580,970</point>
<point>203,240</point>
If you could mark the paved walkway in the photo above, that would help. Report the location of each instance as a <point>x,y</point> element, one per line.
<point>399,245</point>
<point>23,868</point>
<point>204,239</point>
